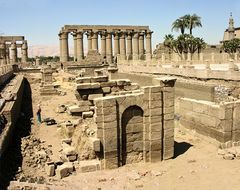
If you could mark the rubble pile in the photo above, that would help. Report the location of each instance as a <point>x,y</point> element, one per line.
<point>34,151</point>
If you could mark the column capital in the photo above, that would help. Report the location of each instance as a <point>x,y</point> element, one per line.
<point>94,34</point>
<point>108,34</point>
<point>24,45</point>
<point>116,35</point>
<point>135,34</point>
<point>148,34</point>
<point>64,35</point>
<point>79,34</point>
<point>103,34</point>
<point>122,34</point>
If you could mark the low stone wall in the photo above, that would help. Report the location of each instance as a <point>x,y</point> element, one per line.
<point>218,121</point>
<point>181,70</point>
<point>194,90</point>
<point>11,111</point>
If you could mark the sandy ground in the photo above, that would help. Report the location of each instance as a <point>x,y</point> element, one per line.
<point>196,164</point>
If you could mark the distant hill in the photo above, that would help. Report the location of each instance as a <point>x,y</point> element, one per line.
<point>45,50</point>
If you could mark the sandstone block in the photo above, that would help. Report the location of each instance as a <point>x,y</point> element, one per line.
<point>64,170</point>
<point>108,84</point>
<point>106,90</point>
<point>87,114</point>
<point>93,96</point>
<point>85,86</point>
<point>83,80</point>
<point>76,109</point>
<point>95,144</point>
<point>99,79</point>
<point>50,169</point>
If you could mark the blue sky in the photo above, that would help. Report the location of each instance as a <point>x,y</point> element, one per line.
<point>41,20</point>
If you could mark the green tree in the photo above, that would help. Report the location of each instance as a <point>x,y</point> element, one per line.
<point>180,24</point>
<point>184,43</point>
<point>187,21</point>
<point>193,21</point>
<point>231,46</point>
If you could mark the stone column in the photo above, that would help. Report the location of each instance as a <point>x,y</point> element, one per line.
<point>103,44</point>
<point>80,49</point>
<point>129,45</point>
<point>65,51</point>
<point>24,52</point>
<point>141,45</point>
<point>122,45</point>
<point>116,43</point>
<point>60,48</point>
<point>95,40</point>
<point>89,37</point>
<point>135,47</point>
<point>13,53</point>
<point>2,54</point>
<point>109,47</point>
<point>75,47</point>
<point>7,55</point>
<point>149,45</point>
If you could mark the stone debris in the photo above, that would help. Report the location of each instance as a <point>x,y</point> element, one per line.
<point>35,152</point>
<point>229,153</point>
<point>64,170</point>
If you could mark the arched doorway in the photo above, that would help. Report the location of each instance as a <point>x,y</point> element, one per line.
<point>132,135</point>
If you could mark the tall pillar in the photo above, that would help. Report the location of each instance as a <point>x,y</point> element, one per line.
<point>60,49</point>
<point>103,44</point>
<point>13,52</point>
<point>149,45</point>
<point>7,55</point>
<point>89,37</point>
<point>135,47</point>
<point>24,52</point>
<point>116,44</point>
<point>95,40</point>
<point>122,45</point>
<point>75,47</point>
<point>2,54</point>
<point>80,49</point>
<point>129,45</point>
<point>65,51</point>
<point>109,47</point>
<point>141,45</point>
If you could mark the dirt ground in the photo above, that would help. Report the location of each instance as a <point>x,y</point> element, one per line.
<point>196,164</point>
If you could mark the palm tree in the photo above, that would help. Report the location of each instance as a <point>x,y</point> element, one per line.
<point>193,21</point>
<point>180,24</point>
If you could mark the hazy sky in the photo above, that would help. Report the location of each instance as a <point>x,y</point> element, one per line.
<point>41,20</point>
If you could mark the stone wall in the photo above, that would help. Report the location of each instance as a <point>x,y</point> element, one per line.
<point>218,121</point>
<point>11,111</point>
<point>204,71</point>
<point>149,121</point>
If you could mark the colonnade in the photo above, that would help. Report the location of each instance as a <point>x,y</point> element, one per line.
<point>9,52</point>
<point>122,44</point>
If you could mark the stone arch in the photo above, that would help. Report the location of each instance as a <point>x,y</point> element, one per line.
<point>132,135</point>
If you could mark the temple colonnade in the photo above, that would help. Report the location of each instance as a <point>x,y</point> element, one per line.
<point>123,42</point>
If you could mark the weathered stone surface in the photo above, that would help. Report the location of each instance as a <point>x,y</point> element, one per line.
<point>85,86</point>
<point>93,96</point>
<point>64,170</point>
<point>87,114</point>
<point>50,169</point>
<point>106,90</point>
<point>77,109</point>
